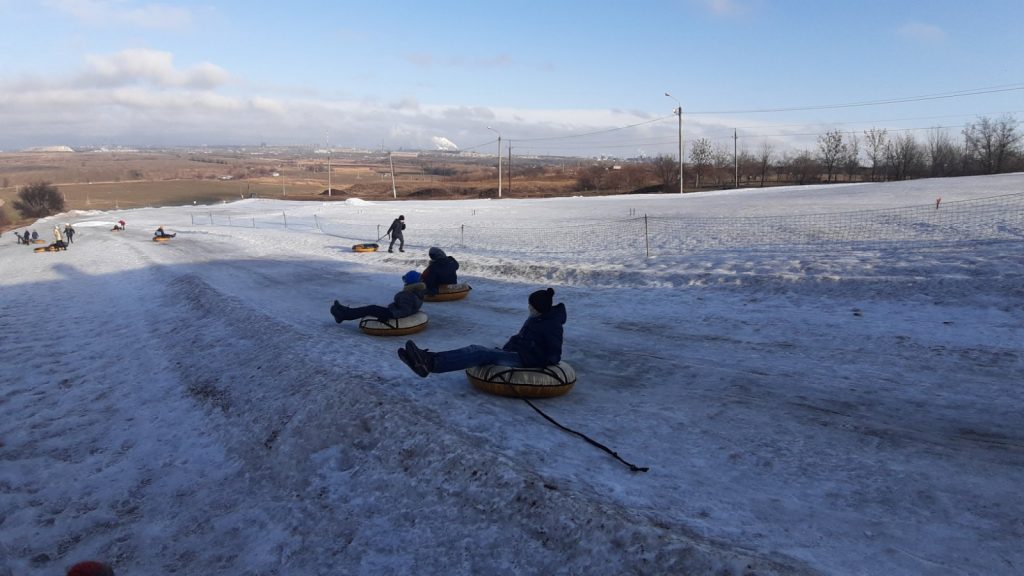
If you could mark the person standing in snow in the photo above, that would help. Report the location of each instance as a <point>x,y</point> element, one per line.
<point>440,271</point>
<point>121,222</point>
<point>538,344</point>
<point>26,239</point>
<point>406,303</point>
<point>396,234</point>
<point>69,231</point>
<point>35,236</point>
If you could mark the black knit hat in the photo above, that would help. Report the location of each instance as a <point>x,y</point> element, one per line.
<point>541,299</point>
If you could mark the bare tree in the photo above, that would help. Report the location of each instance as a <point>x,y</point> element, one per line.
<point>749,166</point>
<point>722,159</point>
<point>666,169</point>
<point>803,167</point>
<point>765,155</point>
<point>830,151</point>
<point>701,155</point>
<point>943,154</point>
<point>904,155</point>
<point>38,200</point>
<point>877,141</point>
<point>851,157</point>
<point>989,144</point>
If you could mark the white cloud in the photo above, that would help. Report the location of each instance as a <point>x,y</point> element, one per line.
<point>921,32</point>
<point>157,67</point>
<point>103,12</point>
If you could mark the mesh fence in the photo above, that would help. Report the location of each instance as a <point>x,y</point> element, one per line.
<point>998,218</point>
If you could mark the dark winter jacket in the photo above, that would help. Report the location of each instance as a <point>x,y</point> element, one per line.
<point>395,230</point>
<point>408,301</point>
<point>440,272</point>
<point>539,341</point>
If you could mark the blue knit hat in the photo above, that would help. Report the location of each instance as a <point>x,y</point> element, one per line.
<point>411,277</point>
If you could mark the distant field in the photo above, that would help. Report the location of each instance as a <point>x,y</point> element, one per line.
<point>109,180</point>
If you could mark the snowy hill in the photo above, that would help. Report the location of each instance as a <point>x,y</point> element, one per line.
<point>843,406</point>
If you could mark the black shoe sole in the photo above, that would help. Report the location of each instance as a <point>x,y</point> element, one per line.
<point>419,369</point>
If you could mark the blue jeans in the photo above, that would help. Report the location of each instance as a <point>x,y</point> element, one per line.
<point>475,355</point>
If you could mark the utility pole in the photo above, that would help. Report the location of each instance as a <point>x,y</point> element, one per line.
<point>509,166</point>
<point>394,192</point>
<point>329,191</point>
<point>679,112</point>
<point>499,158</point>
<point>735,159</point>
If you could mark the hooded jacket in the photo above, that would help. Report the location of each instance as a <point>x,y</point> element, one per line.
<point>439,272</point>
<point>539,341</point>
<point>408,301</point>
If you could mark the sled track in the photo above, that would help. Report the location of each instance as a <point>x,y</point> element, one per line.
<point>304,433</point>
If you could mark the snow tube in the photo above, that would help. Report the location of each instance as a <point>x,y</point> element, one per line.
<point>368,247</point>
<point>39,241</point>
<point>397,327</point>
<point>50,248</point>
<point>162,238</point>
<point>448,292</point>
<point>546,382</point>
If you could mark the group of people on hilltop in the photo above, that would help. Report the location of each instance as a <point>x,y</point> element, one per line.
<point>27,238</point>
<point>537,344</point>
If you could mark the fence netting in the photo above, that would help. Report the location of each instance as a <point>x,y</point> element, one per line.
<point>997,218</point>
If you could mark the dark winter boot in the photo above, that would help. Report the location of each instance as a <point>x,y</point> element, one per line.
<point>419,369</point>
<point>337,311</point>
<point>421,357</point>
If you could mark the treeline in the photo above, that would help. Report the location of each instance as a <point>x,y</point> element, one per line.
<point>987,146</point>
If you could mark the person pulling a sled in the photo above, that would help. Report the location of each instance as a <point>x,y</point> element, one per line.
<point>395,230</point>
<point>405,303</point>
<point>538,344</point>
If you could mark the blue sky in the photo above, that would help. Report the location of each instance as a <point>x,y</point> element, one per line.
<point>408,74</point>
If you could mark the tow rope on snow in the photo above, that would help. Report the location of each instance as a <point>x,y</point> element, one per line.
<point>632,467</point>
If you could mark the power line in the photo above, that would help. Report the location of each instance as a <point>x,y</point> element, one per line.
<point>971,92</point>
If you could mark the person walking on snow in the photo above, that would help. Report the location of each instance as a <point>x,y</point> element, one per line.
<point>538,344</point>
<point>396,234</point>
<point>406,303</point>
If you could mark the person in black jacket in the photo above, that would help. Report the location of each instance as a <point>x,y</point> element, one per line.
<point>396,234</point>
<point>406,303</point>
<point>538,344</point>
<point>440,271</point>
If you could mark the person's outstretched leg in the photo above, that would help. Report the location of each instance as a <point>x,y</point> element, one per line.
<point>342,313</point>
<point>424,362</point>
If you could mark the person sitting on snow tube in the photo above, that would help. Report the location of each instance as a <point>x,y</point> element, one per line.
<point>440,271</point>
<point>161,234</point>
<point>405,303</point>
<point>538,344</point>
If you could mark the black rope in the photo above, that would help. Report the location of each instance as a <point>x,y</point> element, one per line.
<point>632,467</point>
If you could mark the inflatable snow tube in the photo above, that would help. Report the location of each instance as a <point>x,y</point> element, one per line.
<point>39,241</point>
<point>449,292</point>
<point>50,248</point>
<point>162,238</point>
<point>369,247</point>
<point>546,382</point>
<point>397,327</point>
